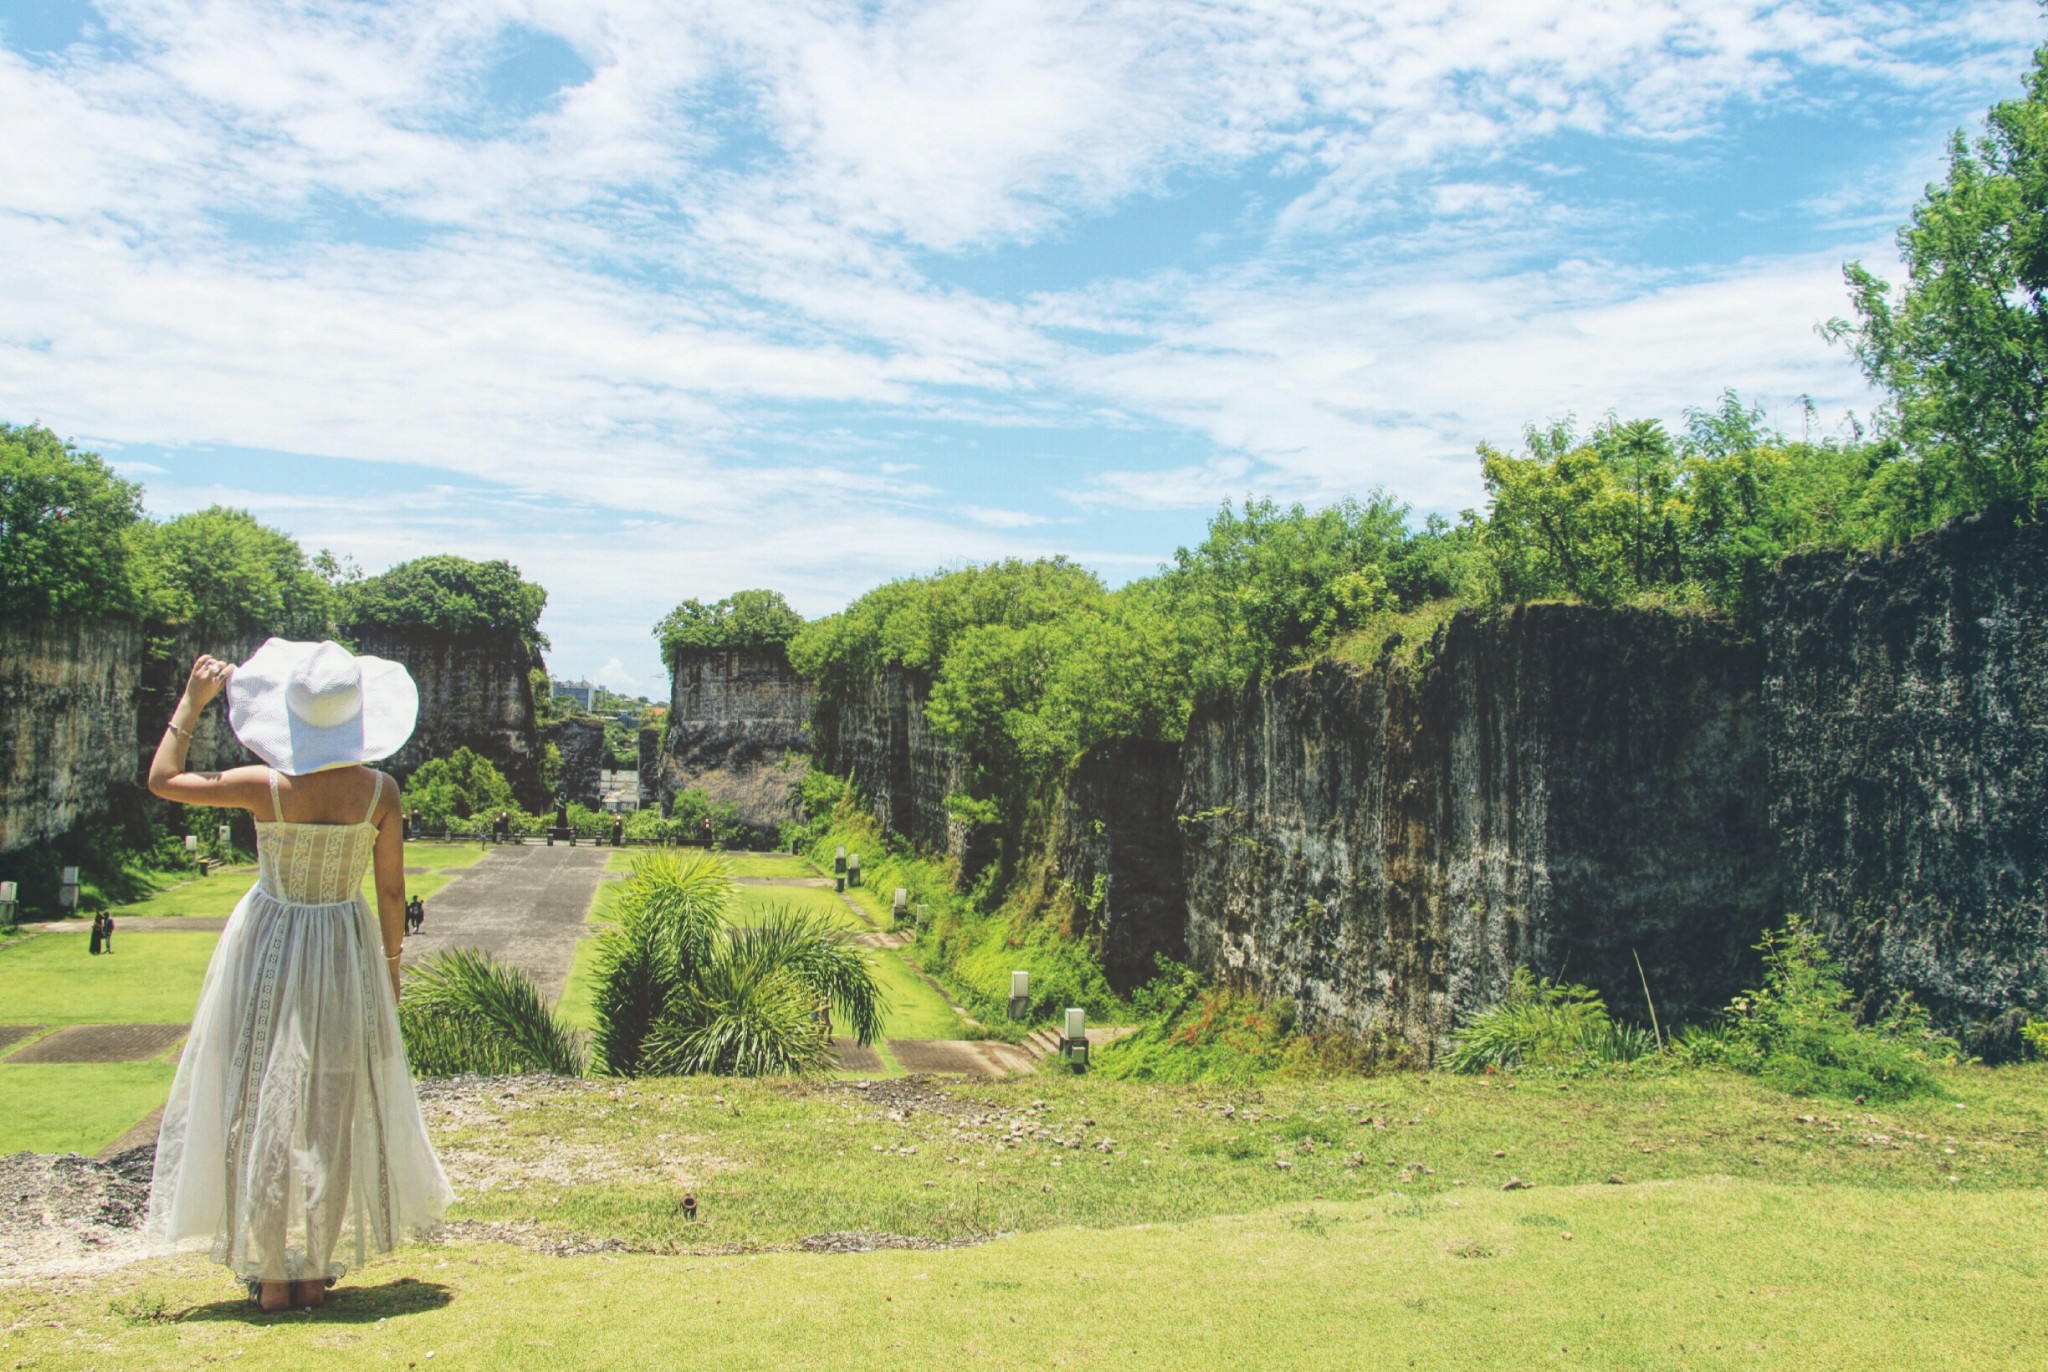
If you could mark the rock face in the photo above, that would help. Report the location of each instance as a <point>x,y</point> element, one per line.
<point>474,693</point>
<point>1117,845</point>
<point>735,716</point>
<point>67,724</point>
<point>880,737</point>
<point>581,744</point>
<point>1908,702</point>
<point>1552,786</point>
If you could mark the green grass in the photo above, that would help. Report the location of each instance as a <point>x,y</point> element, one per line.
<point>916,1011</point>
<point>76,1107</point>
<point>439,855</point>
<point>209,897</point>
<point>785,865</point>
<point>1750,1231</point>
<point>580,989</point>
<point>152,978</point>
<point>755,903</point>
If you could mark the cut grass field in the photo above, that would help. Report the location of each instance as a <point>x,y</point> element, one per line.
<point>756,903</point>
<point>151,978</point>
<point>77,1107</point>
<point>1756,1231</point>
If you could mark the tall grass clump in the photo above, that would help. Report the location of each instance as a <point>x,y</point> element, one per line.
<point>1192,1030</point>
<point>1799,1033</point>
<point>1539,1023</point>
<point>465,1011</point>
<point>682,990</point>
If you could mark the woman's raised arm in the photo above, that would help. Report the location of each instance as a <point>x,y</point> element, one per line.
<point>243,788</point>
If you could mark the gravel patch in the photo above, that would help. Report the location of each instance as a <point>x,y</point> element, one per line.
<point>63,1213</point>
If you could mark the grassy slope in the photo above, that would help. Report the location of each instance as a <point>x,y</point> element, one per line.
<point>1834,1252</point>
<point>77,1107</point>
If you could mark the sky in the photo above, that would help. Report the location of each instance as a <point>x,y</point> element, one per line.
<point>661,300</point>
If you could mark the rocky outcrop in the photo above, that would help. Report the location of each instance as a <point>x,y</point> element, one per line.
<point>879,736</point>
<point>67,724</point>
<point>1907,695</point>
<point>581,745</point>
<point>736,715</point>
<point>1553,786</point>
<point>1117,852</point>
<point>475,692</point>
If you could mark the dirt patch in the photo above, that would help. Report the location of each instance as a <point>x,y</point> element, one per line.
<point>103,1043</point>
<point>11,1034</point>
<point>467,1117</point>
<point>966,1057</point>
<point>856,1057</point>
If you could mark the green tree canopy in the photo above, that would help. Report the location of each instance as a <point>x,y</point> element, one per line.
<point>221,572</point>
<point>451,595</point>
<point>744,619</point>
<point>465,785</point>
<point>64,521</point>
<point>1962,348</point>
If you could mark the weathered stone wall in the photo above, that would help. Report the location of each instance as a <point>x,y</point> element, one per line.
<point>735,716</point>
<point>1908,702</point>
<point>474,693</point>
<point>581,744</point>
<point>1551,786</point>
<point>1117,847</point>
<point>880,737</point>
<point>67,724</point>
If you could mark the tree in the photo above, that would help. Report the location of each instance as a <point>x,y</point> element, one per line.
<point>465,785</point>
<point>744,619</point>
<point>220,572</point>
<point>450,595</point>
<point>64,521</point>
<point>1962,348</point>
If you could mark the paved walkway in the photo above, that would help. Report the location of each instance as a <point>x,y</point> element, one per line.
<point>524,904</point>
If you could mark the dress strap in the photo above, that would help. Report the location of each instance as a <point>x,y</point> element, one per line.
<point>376,794</point>
<point>276,805</point>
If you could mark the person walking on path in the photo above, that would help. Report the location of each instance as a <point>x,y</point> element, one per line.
<point>99,933</point>
<point>415,915</point>
<point>107,932</point>
<point>292,1127</point>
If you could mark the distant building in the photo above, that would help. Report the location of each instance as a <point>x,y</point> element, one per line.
<point>578,691</point>
<point>620,791</point>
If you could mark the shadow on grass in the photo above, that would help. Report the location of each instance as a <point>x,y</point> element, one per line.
<point>344,1305</point>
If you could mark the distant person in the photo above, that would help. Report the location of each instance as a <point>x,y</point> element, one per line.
<point>99,934</point>
<point>292,1135</point>
<point>415,914</point>
<point>618,832</point>
<point>107,932</point>
<point>501,827</point>
<point>704,831</point>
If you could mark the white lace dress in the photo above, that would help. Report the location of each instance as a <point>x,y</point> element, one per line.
<point>292,1128</point>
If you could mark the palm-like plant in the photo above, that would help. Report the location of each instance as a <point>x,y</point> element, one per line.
<point>681,990</point>
<point>465,1011</point>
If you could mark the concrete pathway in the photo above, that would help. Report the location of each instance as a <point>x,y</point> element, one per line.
<point>524,904</point>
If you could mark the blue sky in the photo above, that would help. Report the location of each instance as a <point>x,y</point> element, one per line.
<point>659,303</point>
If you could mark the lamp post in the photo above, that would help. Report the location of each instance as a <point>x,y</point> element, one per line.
<point>67,888</point>
<point>899,905</point>
<point>8,895</point>
<point>853,870</point>
<point>1074,1043</point>
<point>1020,994</point>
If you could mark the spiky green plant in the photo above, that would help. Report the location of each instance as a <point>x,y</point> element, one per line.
<point>680,990</point>
<point>1541,1024</point>
<point>465,1011</point>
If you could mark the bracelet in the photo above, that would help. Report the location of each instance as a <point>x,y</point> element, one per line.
<point>185,734</point>
<point>393,957</point>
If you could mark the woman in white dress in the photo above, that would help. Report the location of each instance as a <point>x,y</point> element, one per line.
<point>292,1129</point>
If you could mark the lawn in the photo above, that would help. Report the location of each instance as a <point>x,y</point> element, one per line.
<point>787,866</point>
<point>152,978</point>
<point>756,902</point>
<point>1742,1229</point>
<point>77,1107</point>
<point>916,1011</point>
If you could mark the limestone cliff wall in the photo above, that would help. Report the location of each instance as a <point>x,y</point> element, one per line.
<point>475,693</point>
<point>67,724</point>
<point>1908,702</point>
<point>735,717</point>
<point>581,744</point>
<point>880,737</point>
<point>1551,786</point>
<point>1117,851</point>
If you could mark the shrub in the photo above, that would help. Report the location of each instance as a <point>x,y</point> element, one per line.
<point>465,1011</point>
<point>1194,1031</point>
<point>1539,1023</point>
<point>2034,1034</point>
<point>681,990</point>
<point>450,595</point>
<point>460,791</point>
<point>1798,1032</point>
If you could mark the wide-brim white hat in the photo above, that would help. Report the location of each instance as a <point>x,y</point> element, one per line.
<point>306,707</point>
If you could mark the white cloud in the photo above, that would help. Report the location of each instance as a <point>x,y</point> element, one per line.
<point>614,677</point>
<point>1001,519</point>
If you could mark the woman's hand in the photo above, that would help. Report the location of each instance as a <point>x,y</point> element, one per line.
<point>209,674</point>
